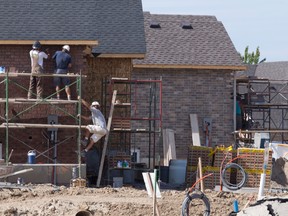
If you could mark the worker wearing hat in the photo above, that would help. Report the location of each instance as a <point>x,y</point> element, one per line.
<point>36,56</point>
<point>63,63</point>
<point>98,129</point>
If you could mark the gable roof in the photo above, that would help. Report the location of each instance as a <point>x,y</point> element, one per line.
<point>116,25</point>
<point>274,71</point>
<point>207,45</point>
<point>121,27</point>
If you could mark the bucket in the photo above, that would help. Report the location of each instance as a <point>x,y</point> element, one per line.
<point>75,172</point>
<point>164,174</point>
<point>83,213</point>
<point>177,171</point>
<point>31,157</point>
<point>117,182</point>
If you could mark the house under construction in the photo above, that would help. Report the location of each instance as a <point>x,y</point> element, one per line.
<point>164,69</point>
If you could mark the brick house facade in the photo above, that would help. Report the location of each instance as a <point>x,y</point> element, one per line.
<point>201,92</point>
<point>195,66</point>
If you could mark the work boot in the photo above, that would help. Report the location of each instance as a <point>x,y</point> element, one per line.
<point>84,142</point>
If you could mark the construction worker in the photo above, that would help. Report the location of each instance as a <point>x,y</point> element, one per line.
<point>63,63</point>
<point>98,129</point>
<point>36,57</point>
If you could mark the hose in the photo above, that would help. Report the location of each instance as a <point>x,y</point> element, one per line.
<point>189,198</point>
<point>228,184</point>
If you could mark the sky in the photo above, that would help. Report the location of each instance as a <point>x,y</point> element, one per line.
<point>252,23</point>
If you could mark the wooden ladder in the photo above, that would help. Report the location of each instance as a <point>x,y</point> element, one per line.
<point>106,138</point>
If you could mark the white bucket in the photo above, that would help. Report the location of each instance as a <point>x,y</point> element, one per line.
<point>31,157</point>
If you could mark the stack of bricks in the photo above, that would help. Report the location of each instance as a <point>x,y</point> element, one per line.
<point>219,154</point>
<point>194,152</point>
<point>211,181</point>
<point>252,163</point>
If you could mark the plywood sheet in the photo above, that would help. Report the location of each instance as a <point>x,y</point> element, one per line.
<point>195,130</point>
<point>169,146</point>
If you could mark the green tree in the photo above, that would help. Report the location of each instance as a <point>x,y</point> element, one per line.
<point>253,57</point>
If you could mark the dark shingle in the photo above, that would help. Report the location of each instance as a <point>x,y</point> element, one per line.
<point>207,44</point>
<point>117,25</point>
<point>273,70</point>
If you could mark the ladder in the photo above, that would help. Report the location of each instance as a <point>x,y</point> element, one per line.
<point>106,138</point>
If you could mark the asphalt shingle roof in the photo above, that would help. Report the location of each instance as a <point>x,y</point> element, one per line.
<point>116,25</point>
<point>207,44</point>
<point>277,71</point>
<point>272,70</point>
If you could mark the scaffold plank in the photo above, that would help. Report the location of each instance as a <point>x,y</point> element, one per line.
<point>25,125</point>
<point>41,74</point>
<point>40,101</point>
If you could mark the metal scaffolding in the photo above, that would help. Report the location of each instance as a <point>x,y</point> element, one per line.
<point>137,118</point>
<point>264,107</point>
<point>9,122</point>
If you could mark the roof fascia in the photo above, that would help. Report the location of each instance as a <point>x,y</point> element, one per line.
<point>130,55</point>
<point>209,67</point>
<point>50,42</point>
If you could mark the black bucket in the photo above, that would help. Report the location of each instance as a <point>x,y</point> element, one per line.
<point>164,173</point>
<point>83,213</point>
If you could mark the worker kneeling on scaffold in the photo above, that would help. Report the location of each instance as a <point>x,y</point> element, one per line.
<point>98,129</point>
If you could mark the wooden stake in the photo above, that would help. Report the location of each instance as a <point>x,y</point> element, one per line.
<point>201,174</point>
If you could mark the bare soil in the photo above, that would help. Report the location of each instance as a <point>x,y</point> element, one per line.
<point>49,200</point>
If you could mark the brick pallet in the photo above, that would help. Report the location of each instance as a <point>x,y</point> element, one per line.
<point>253,159</point>
<point>252,163</point>
<point>211,181</point>
<point>220,154</point>
<point>194,152</point>
<point>253,178</point>
<point>191,175</point>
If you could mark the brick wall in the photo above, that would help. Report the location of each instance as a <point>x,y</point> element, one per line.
<point>18,57</point>
<point>23,140</point>
<point>203,92</point>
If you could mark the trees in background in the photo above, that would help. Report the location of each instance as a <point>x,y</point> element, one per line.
<point>253,57</point>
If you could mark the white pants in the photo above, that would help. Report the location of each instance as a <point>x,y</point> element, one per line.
<point>98,132</point>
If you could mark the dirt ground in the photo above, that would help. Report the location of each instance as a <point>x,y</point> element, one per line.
<point>49,200</point>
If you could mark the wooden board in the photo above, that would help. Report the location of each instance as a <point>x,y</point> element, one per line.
<point>168,146</point>
<point>149,180</point>
<point>195,130</point>
<point>106,138</point>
